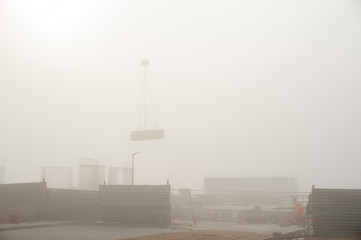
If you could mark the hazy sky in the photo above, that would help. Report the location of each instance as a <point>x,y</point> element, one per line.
<point>242,88</point>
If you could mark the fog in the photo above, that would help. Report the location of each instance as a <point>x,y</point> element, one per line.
<point>242,88</point>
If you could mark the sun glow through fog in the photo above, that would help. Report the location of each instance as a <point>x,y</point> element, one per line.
<point>52,17</point>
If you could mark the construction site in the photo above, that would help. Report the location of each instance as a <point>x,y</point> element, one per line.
<point>227,208</point>
<point>180,120</point>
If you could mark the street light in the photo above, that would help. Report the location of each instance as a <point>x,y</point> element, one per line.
<point>133,154</point>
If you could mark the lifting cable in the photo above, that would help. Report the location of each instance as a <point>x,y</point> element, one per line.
<point>146,95</point>
<point>147,112</point>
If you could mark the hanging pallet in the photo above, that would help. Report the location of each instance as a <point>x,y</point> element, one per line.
<point>147,135</point>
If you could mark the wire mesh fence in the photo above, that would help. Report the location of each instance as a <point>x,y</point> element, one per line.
<point>190,206</point>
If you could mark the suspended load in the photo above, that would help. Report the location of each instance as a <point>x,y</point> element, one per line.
<point>144,132</point>
<point>147,135</point>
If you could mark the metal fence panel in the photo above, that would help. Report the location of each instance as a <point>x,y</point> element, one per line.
<point>23,199</point>
<point>336,212</point>
<point>71,205</point>
<point>136,204</point>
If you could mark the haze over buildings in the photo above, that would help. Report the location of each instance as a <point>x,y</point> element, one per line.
<point>242,88</point>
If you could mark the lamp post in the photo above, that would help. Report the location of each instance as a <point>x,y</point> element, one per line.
<point>133,154</point>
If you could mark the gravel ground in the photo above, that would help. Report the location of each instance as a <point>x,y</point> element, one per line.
<point>203,235</point>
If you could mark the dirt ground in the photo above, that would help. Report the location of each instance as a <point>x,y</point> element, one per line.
<point>203,235</point>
